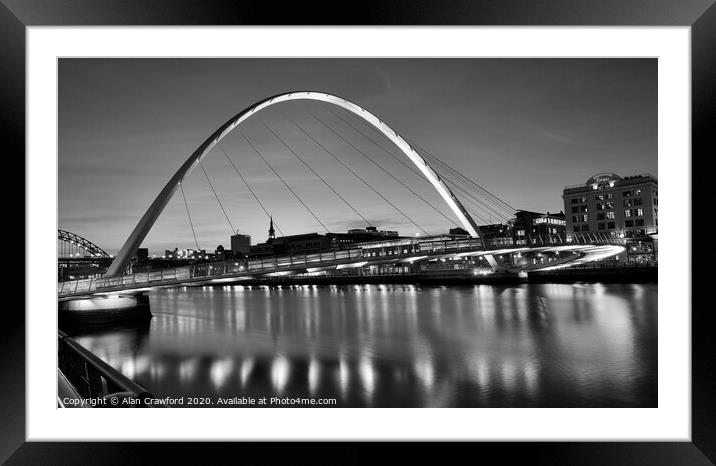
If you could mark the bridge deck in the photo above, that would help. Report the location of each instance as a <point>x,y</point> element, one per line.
<point>276,266</point>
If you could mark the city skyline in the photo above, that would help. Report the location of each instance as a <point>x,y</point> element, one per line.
<point>522,128</point>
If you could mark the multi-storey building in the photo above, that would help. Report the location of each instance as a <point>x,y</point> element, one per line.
<point>607,203</point>
<point>535,228</point>
<point>240,245</point>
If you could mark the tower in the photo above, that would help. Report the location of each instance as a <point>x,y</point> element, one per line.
<point>272,233</point>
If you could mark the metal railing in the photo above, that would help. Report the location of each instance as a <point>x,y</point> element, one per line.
<point>368,253</point>
<point>93,378</point>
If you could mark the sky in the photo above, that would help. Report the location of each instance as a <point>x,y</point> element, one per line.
<point>520,128</point>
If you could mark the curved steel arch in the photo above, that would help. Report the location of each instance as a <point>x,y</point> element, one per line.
<point>147,221</point>
<point>84,243</point>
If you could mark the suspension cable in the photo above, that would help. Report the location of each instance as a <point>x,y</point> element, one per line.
<point>217,197</point>
<point>416,172</point>
<point>358,176</point>
<point>496,201</point>
<point>412,168</point>
<point>315,173</point>
<point>189,215</point>
<point>282,180</point>
<point>249,187</point>
<point>449,219</point>
<point>469,197</point>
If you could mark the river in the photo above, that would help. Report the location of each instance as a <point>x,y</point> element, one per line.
<point>527,345</point>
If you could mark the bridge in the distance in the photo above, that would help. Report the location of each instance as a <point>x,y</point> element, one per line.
<point>468,252</point>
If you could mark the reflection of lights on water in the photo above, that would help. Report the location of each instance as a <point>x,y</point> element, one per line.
<point>220,370</point>
<point>247,365</point>
<point>187,369</point>
<point>425,372</point>
<point>129,369</point>
<point>280,370</point>
<point>132,367</point>
<point>367,375</point>
<point>314,373</point>
<point>509,371</point>
<point>156,370</point>
<point>479,372</point>
<point>598,289</point>
<point>531,374</point>
<point>343,376</point>
<point>638,291</point>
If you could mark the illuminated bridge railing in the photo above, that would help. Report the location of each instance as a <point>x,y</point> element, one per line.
<point>370,252</point>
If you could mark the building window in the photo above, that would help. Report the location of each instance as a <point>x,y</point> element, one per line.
<point>600,216</point>
<point>575,210</point>
<point>637,201</point>
<point>610,225</point>
<point>574,219</point>
<point>583,208</point>
<point>610,215</point>
<point>575,228</point>
<point>626,194</point>
<point>585,227</point>
<point>627,213</point>
<point>582,199</point>
<point>627,202</point>
<point>639,212</point>
<point>600,197</point>
<point>575,200</point>
<point>610,205</point>
<point>629,223</point>
<point>600,226</point>
<point>637,192</point>
<point>584,218</point>
<point>610,196</point>
<point>639,222</point>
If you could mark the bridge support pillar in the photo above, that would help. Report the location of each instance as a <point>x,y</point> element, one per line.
<point>492,261</point>
<point>104,310</point>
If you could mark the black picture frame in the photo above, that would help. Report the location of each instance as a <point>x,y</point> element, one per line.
<point>16,15</point>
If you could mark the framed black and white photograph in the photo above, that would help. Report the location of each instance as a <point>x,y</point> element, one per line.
<point>247,227</point>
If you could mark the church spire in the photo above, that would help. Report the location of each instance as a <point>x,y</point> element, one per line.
<point>272,233</point>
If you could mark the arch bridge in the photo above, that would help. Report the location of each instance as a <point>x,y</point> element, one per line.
<point>73,245</point>
<point>135,239</point>
<point>424,249</point>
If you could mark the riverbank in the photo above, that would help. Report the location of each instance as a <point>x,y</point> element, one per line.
<point>628,274</point>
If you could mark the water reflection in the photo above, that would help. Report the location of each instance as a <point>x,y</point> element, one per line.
<point>397,345</point>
